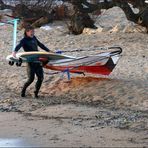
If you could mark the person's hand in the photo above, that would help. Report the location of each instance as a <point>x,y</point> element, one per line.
<point>14,54</point>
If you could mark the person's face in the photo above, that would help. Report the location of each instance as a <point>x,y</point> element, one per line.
<point>30,33</point>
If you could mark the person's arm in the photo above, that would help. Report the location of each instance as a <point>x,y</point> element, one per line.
<point>17,48</point>
<point>42,45</point>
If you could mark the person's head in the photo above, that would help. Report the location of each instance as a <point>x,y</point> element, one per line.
<point>29,31</point>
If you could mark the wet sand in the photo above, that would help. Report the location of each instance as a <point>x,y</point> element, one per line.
<point>67,126</point>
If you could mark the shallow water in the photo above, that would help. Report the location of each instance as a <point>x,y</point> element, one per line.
<point>8,142</point>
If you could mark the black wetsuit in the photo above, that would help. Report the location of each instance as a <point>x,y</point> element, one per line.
<point>31,44</point>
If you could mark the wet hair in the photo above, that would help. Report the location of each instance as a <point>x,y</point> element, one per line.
<point>27,28</point>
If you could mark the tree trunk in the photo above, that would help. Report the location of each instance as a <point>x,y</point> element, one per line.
<point>138,18</point>
<point>81,18</point>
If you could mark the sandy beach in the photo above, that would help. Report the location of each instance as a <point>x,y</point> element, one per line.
<point>87,111</point>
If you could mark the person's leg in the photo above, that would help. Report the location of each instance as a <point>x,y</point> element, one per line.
<point>31,75</point>
<point>40,77</point>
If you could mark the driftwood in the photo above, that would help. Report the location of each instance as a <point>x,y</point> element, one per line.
<point>35,17</point>
<point>59,12</point>
<point>41,21</point>
<point>42,12</point>
<point>140,18</point>
<point>81,19</point>
<point>4,6</point>
<point>36,14</point>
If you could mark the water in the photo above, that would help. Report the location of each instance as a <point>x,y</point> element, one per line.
<point>8,142</point>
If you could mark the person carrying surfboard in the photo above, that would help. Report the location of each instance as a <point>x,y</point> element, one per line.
<point>31,43</point>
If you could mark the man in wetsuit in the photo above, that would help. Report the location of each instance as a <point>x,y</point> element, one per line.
<point>31,43</point>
